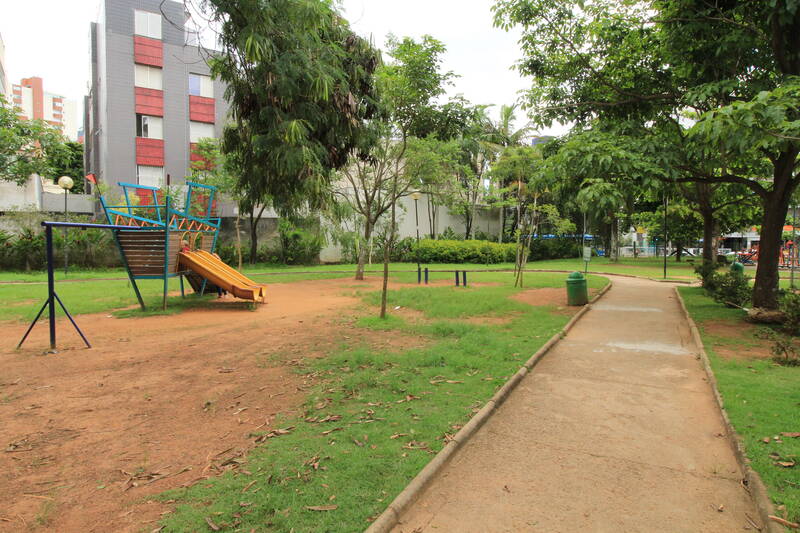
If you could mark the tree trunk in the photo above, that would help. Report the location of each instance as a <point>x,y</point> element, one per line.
<point>253,237</point>
<point>765,292</point>
<point>362,252</point>
<point>709,253</point>
<point>387,249</point>
<point>678,252</point>
<point>238,239</point>
<point>502,225</point>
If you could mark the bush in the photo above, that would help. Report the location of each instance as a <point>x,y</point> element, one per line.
<point>451,251</point>
<point>785,352</point>
<point>707,274</point>
<point>732,289</point>
<point>790,305</point>
<point>558,248</point>
<point>298,246</point>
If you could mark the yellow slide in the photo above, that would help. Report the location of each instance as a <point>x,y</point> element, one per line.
<point>214,270</point>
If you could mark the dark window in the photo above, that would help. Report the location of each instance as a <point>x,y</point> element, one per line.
<point>141,126</point>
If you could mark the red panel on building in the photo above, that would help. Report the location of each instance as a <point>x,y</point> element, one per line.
<point>149,101</point>
<point>148,51</point>
<point>201,109</point>
<point>196,158</point>
<point>149,152</point>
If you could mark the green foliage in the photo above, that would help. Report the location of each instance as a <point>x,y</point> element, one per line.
<point>300,87</point>
<point>732,288</point>
<point>69,162</point>
<point>471,251</point>
<point>790,305</point>
<point>299,246</point>
<point>558,248</point>
<point>27,146</point>
<point>785,352</point>
<point>707,272</point>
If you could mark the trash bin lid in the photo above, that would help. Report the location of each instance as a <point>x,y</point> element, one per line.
<point>575,276</point>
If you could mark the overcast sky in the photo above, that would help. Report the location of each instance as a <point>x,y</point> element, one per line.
<point>50,38</point>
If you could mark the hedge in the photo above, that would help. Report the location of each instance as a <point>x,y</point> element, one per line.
<point>486,252</point>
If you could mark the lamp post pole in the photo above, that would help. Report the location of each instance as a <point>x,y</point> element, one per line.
<point>793,251</point>
<point>66,183</point>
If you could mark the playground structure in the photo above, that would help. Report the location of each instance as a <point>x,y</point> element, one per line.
<point>152,248</point>
<point>157,241</point>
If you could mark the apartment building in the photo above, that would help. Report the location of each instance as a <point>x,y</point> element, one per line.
<point>4,88</point>
<point>34,103</point>
<point>151,95</point>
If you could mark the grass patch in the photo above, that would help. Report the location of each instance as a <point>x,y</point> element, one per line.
<point>762,400</point>
<point>388,413</point>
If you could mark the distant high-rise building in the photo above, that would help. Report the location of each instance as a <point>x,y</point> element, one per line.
<point>4,89</point>
<point>35,104</point>
<point>151,94</point>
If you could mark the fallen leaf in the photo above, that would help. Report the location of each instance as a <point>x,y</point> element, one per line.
<point>794,434</point>
<point>331,431</point>
<point>398,435</point>
<point>211,524</point>
<point>786,464</point>
<point>322,507</point>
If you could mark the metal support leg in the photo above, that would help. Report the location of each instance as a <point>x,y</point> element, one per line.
<point>72,320</point>
<point>183,295</point>
<point>426,275</point>
<point>457,278</point>
<point>35,320</point>
<point>464,273</point>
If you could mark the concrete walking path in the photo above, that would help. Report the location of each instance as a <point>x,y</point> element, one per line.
<point>616,430</point>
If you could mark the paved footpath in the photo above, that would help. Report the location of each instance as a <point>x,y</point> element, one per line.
<point>616,430</point>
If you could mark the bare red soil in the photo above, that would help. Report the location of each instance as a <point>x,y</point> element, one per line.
<point>158,402</point>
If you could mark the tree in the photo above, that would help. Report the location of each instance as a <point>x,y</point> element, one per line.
<point>213,168</point>
<point>503,134</point>
<point>371,188</point>
<point>69,162</point>
<point>28,147</point>
<point>651,63</point>
<point>301,88</point>
<point>409,86</point>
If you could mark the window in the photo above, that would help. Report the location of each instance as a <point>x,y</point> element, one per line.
<point>148,77</point>
<point>200,130</point>
<point>200,85</point>
<point>149,127</point>
<point>150,176</point>
<point>147,24</point>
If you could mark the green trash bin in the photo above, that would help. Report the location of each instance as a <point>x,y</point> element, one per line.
<point>737,268</point>
<point>577,292</point>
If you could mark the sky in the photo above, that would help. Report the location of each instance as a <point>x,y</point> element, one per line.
<point>58,49</point>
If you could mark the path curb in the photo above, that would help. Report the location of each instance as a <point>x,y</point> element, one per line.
<point>390,517</point>
<point>754,485</point>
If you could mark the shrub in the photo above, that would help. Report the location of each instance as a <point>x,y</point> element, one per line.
<point>298,246</point>
<point>452,251</point>
<point>785,353</point>
<point>557,248</point>
<point>790,305</point>
<point>732,289</point>
<point>707,274</point>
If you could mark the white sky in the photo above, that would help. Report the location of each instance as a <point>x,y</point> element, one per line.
<point>50,39</point>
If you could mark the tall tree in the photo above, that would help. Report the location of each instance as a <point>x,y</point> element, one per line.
<point>301,88</point>
<point>732,64</point>
<point>410,84</point>
<point>68,161</point>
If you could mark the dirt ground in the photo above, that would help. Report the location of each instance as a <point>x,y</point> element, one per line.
<point>158,402</point>
<point>749,345</point>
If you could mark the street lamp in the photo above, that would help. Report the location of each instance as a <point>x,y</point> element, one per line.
<point>416,195</point>
<point>66,183</point>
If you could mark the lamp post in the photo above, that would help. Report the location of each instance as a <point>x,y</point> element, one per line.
<point>66,183</point>
<point>416,195</point>
<point>666,234</point>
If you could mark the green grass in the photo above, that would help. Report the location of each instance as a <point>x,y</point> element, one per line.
<point>418,395</point>
<point>762,400</point>
<point>23,300</point>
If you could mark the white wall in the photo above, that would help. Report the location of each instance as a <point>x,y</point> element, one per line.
<point>487,221</point>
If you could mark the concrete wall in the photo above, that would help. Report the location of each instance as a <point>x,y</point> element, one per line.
<point>486,220</point>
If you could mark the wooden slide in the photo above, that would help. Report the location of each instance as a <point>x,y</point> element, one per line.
<point>215,271</point>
